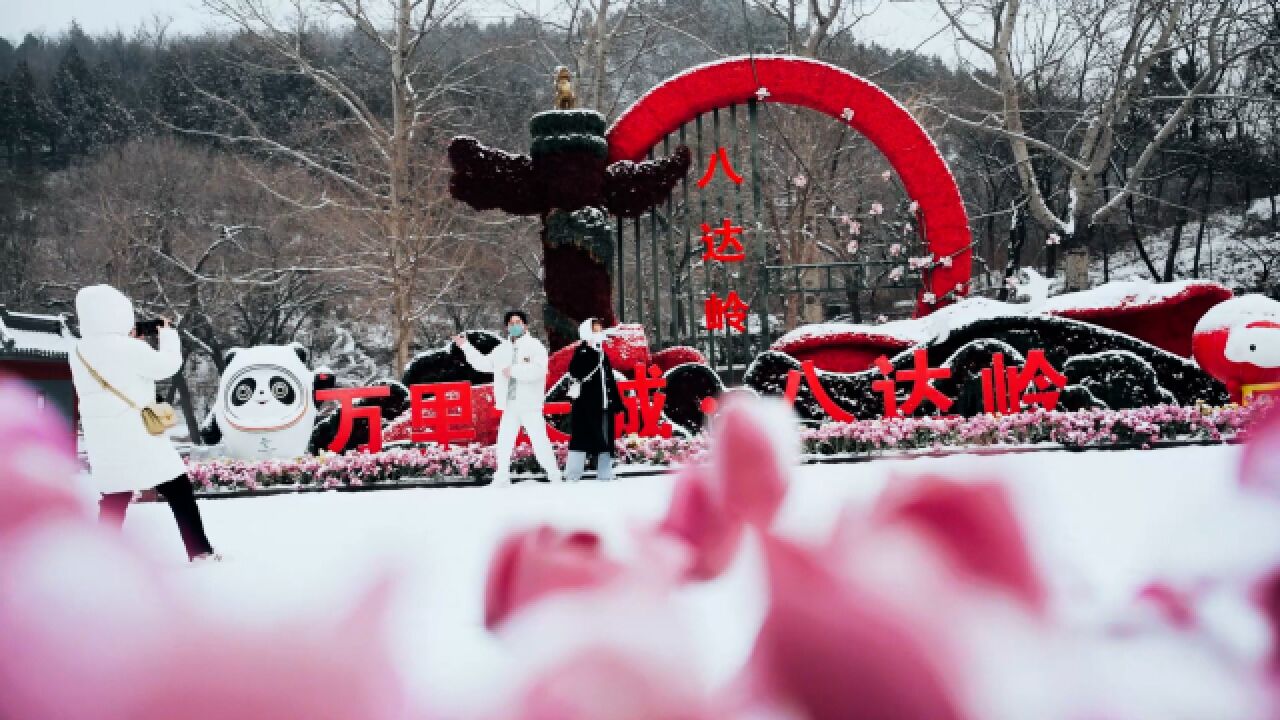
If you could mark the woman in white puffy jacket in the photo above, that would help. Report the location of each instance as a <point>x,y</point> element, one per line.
<point>123,456</point>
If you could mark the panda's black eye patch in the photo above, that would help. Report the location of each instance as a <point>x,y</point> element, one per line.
<point>282,391</point>
<point>243,391</point>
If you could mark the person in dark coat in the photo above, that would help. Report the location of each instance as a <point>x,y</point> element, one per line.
<point>595,401</point>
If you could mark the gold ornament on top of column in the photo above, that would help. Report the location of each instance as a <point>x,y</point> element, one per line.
<point>565,97</point>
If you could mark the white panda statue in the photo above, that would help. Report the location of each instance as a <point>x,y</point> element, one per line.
<point>265,407</point>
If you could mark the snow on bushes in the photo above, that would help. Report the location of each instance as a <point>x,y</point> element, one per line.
<point>962,330</point>
<point>1118,378</point>
<point>449,364</point>
<point>689,386</point>
<point>668,358</point>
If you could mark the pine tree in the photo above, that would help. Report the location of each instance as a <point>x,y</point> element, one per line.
<point>8,136</point>
<point>34,127</point>
<point>69,92</point>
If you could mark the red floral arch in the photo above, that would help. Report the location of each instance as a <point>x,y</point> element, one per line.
<point>833,91</point>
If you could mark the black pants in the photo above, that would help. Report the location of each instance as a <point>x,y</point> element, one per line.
<point>182,501</point>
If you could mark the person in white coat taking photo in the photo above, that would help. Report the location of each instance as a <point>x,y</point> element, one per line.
<point>519,367</point>
<point>115,374</point>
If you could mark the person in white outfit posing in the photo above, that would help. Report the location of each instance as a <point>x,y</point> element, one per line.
<point>115,374</point>
<point>519,367</point>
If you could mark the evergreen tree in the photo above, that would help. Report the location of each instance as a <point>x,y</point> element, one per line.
<point>7,58</point>
<point>89,115</point>
<point>8,137</point>
<point>34,126</point>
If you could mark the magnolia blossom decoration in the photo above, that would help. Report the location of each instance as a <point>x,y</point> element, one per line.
<point>896,273</point>
<point>886,175</point>
<point>876,209</point>
<point>762,93</point>
<point>855,227</point>
<point>852,247</point>
<point>895,250</point>
<point>945,261</point>
<point>847,115</point>
<point>929,298</point>
<point>914,207</point>
<point>1053,239</point>
<point>800,181</point>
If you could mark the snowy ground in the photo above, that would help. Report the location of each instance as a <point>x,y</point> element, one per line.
<point>1236,251</point>
<point>1100,522</point>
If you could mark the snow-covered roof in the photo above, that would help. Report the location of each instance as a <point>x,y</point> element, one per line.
<point>27,335</point>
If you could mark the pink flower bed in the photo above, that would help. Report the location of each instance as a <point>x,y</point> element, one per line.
<point>475,463</point>
<point>1090,428</point>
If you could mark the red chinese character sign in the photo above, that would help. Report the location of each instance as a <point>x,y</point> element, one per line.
<point>724,244</point>
<point>1004,389</point>
<point>911,390</point>
<point>643,399</point>
<point>809,375</point>
<point>839,94</point>
<point>729,313</point>
<point>349,412</point>
<point>719,160</point>
<point>441,413</point>
<point>920,378</point>
<point>445,413</point>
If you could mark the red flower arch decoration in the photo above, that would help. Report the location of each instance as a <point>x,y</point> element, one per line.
<point>833,91</point>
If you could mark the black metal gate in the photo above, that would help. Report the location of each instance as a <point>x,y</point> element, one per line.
<point>669,281</point>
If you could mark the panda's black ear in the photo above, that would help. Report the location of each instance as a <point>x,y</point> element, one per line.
<point>300,351</point>
<point>228,355</point>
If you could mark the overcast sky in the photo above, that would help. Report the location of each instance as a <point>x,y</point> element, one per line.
<point>900,24</point>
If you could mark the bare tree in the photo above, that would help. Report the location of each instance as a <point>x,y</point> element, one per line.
<point>179,231</point>
<point>812,25</point>
<point>377,154</point>
<point>1099,56</point>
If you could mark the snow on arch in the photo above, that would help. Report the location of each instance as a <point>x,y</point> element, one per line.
<point>833,91</point>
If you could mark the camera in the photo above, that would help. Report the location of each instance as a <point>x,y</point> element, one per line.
<point>147,328</point>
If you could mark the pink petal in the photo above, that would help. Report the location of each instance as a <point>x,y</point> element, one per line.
<point>697,517</point>
<point>975,525</point>
<point>835,652</point>
<point>605,684</point>
<point>1267,597</point>
<point>1260,461</point>
<point>37,460</point>
<point>531,564</point>
<point>749,463</point>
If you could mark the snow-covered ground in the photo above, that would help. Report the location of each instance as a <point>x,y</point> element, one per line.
<point>1100,523</point>
<point>1237,249</point>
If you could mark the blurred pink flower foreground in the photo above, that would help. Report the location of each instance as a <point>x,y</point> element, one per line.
<point>929,605</point>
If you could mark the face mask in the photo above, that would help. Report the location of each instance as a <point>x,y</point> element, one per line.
<point>515,331</point>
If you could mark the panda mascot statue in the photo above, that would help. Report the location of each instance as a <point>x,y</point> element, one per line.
<point>265,407</point>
